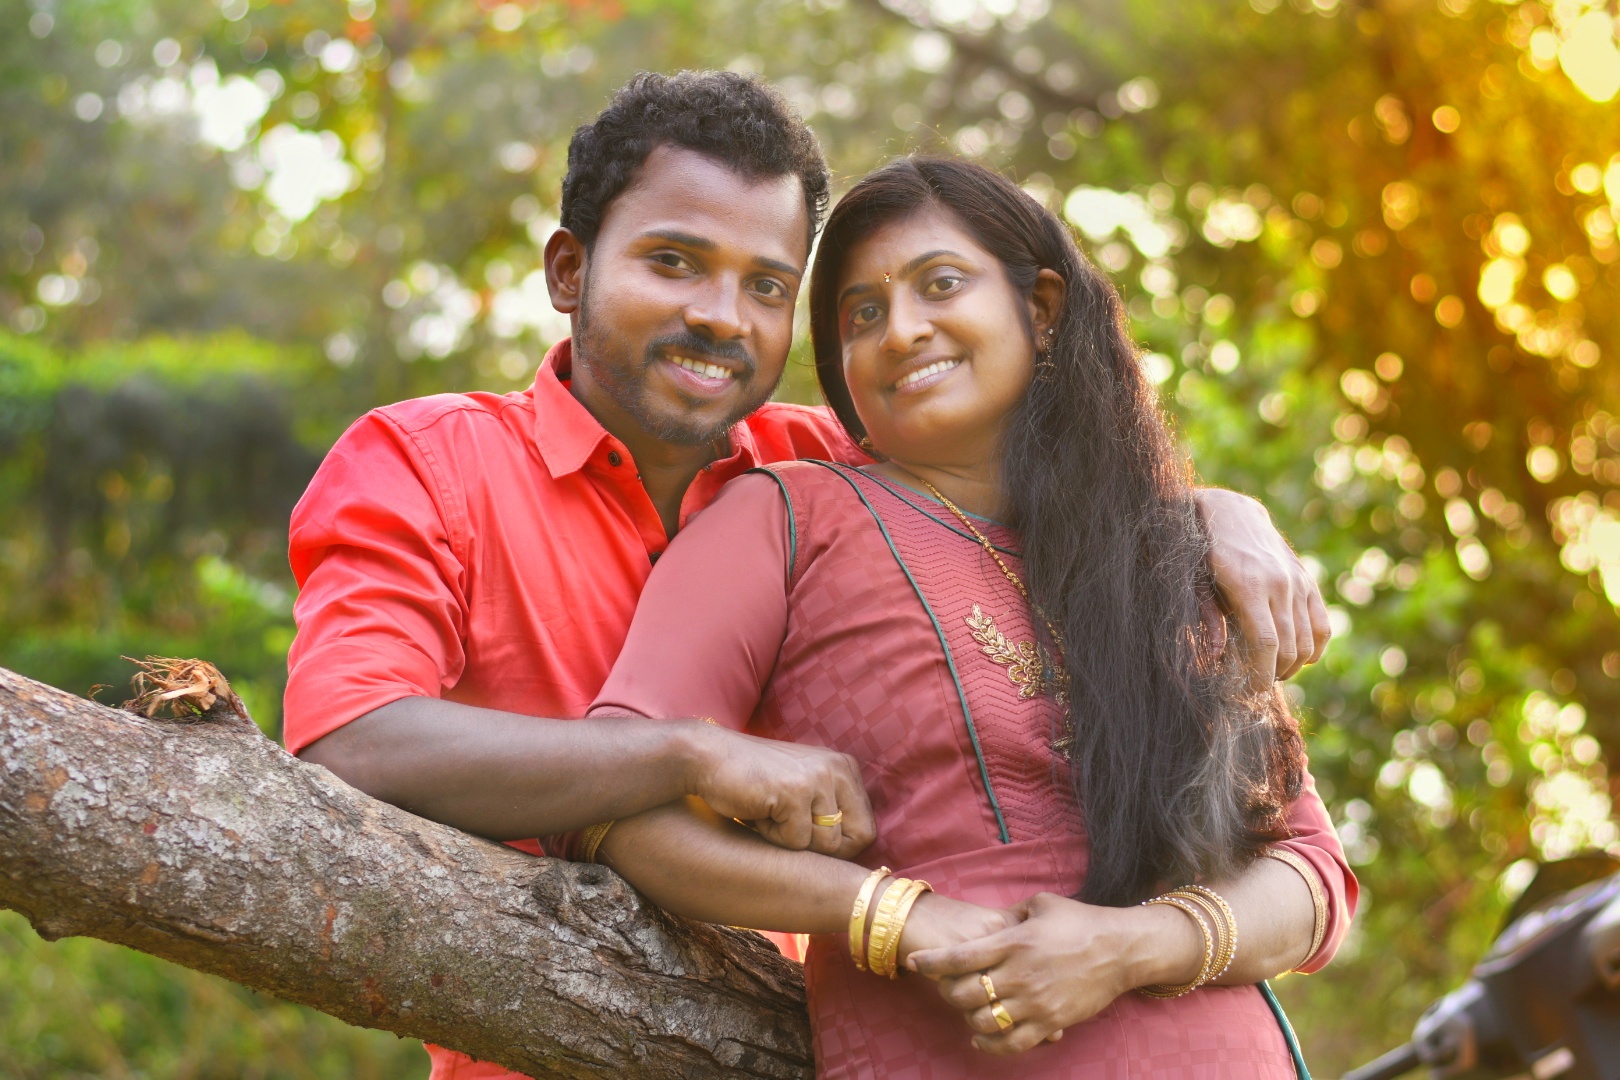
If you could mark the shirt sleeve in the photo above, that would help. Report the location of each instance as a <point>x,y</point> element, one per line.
<point>381,610</point>
<point>711,621</point>
<point>1313,839</point>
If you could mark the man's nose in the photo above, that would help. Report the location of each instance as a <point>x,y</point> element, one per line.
<point>718,312</point>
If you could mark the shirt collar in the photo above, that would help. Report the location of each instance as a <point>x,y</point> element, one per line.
<point>567,435</point>
<point>564,430</point>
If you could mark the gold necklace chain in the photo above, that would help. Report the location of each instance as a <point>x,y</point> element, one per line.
<point>984,541</point>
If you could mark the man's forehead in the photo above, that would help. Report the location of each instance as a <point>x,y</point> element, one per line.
<point>683,192</point>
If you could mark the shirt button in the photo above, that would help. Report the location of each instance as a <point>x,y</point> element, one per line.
<point>614,459</point>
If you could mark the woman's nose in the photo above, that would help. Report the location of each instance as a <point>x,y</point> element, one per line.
<point>907,326</point>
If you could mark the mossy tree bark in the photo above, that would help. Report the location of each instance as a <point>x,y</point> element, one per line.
<point>206,844</point>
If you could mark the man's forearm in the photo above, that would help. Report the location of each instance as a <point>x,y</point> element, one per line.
<point>507,776</point>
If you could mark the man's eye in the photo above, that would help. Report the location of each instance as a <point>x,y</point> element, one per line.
<point>671,260</point>
<point>770,288</point>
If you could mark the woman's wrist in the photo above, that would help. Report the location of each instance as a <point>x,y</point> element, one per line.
<point>1169,950</point>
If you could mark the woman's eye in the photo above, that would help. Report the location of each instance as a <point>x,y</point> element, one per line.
<point>945,283</point>
<point>864,314</point>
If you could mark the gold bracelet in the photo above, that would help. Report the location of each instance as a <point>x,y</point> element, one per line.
<point>1188,908</point>
<point>883,922</point>
<point>1319,905</point>
<point>1224,945</point>
<point>857,916</point>
<point>591,839</point>
<point>1231,924</point>
<point>891,950</point>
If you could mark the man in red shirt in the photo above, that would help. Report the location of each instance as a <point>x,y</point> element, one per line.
<point>469,563</point>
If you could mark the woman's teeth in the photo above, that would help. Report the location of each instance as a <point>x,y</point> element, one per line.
<point>711,371</point>
<point>923,373</point>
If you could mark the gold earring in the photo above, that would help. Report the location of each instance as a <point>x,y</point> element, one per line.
<point>885,279</point>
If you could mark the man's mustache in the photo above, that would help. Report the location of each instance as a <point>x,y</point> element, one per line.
<point>700,348</point>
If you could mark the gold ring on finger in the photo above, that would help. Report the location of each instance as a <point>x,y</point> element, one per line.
<point>1004,1019</point>
<point>989,988</point>
<point>827,821</point>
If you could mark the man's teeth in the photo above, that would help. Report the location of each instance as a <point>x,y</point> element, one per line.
<point>712,371</point>
<point>923,373</point>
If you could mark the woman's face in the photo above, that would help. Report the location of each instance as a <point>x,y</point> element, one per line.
<point>937,345</point>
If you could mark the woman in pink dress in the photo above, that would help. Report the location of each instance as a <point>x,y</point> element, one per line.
<point>1007,622</point>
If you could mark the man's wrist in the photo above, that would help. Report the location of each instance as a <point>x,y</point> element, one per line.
<point>694,747</point>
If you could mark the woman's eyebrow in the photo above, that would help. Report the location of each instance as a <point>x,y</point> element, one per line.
<point>904,270</point>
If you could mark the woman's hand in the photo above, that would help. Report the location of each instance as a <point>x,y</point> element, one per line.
<point>1060,963</point>
<point>938,922</point>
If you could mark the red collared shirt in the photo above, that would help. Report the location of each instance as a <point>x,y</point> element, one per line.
<point>488,549</point>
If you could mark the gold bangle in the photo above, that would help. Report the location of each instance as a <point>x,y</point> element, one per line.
<point>591,839</point>
<point>1188,908</point>
<point>891,951</point>
<point>1231,924</point>
<point>883,922</point>
<point>1319,905</point>
<point>1218,924</point>
<point>857,916</point>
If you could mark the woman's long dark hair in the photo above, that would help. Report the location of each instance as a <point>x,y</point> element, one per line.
<point>1181,771</point>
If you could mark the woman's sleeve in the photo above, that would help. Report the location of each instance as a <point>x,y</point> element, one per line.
<point>710,622</point>
<point>1314,842</point>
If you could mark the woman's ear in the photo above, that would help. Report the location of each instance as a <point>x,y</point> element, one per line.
<point>1046,301</point>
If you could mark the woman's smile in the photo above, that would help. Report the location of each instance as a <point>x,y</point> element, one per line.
<point>924,372</point>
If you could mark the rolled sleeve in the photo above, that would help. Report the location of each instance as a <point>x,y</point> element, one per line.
<point>1313,839</point>
<point>381,609</point>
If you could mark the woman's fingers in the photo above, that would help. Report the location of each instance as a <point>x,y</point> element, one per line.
<point>1026,1033</point>
<point>968,957</point>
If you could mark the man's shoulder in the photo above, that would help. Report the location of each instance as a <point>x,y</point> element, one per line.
<point>418,416</point>
<point>783,431</point>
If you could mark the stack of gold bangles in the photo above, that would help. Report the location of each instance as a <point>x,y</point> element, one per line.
<point>1210,913</point>
<point>879,952</point>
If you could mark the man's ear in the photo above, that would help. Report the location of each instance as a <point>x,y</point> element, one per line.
<point>565,270</point>
<point>1046,301</point>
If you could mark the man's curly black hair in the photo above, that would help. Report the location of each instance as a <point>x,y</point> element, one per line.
<point>738,120</point>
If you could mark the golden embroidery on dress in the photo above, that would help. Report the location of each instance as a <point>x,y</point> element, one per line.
<point>1028,666</point>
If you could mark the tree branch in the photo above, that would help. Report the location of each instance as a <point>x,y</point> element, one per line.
<point>206,844</point>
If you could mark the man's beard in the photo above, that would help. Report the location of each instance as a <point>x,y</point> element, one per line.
<point>625,380</point>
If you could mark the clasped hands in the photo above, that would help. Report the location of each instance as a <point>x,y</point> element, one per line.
<point>1052,962</point>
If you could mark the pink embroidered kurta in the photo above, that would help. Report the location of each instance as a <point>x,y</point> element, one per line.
<point>823,604</point>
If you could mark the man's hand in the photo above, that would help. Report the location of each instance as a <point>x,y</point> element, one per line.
<point>779,787</point>
<point>1265,585</point>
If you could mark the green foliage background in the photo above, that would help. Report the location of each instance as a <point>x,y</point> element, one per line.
<point>1369,248</point>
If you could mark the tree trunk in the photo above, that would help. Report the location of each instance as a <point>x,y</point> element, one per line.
<point>208,845</point>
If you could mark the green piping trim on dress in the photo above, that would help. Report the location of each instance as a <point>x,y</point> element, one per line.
<point>793,524</point>
<point>891,485</point>
<point>1288,1031</point>
<point>950,663</point>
